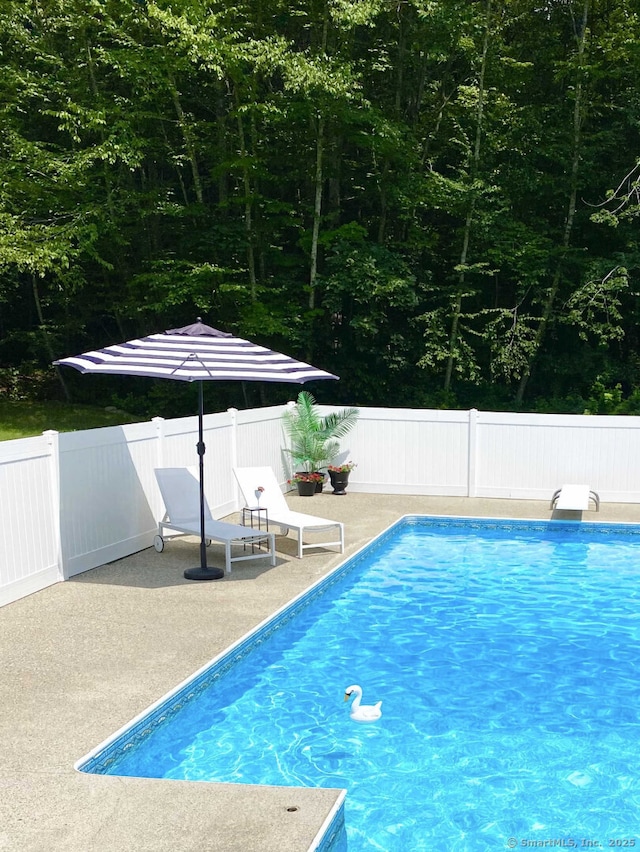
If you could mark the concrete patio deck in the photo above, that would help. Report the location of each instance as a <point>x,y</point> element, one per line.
<point>82,658</point>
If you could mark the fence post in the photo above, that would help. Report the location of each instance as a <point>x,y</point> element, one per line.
<point>289,409</point>
<point>159,424</point>
<point>472,450</point>
<point>233,422</point>
<point>53,442</point>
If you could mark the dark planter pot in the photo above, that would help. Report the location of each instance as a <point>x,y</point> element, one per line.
<point>319,485</point>
<point>306,489</point>
<point>339,481</point>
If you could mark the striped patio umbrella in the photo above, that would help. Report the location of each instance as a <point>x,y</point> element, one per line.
<point>196,353</point>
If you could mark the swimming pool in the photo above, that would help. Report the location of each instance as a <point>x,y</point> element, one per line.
<point>506,656</point>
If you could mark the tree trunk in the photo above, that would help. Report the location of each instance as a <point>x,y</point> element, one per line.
<point>317,210</point>
<point>455,321</point>
<point>578,118</point>
<point>382,221</point>
<point>248,219</point>
<point>400,74</point>
<point>189,142</point>
<point>222,146</point>
<point>45,337</point>
<point>334,197</point>
<point>95,93</point>
<point>317,202</point>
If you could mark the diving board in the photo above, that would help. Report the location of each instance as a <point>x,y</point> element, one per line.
<point>575,498</point>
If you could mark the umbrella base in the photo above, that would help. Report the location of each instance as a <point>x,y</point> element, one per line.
<point>200,573</point>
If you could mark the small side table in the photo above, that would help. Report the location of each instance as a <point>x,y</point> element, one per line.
<point>257,518</point>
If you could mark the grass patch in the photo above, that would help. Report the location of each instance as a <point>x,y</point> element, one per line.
<point>25,419</point>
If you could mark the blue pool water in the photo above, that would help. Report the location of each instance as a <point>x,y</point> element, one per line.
<point>506,655</point>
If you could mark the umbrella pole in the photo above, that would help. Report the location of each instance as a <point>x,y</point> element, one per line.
<point>203,572</point>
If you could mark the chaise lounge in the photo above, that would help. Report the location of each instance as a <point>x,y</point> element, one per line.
<point>180,491</point>
<point>250,479</point>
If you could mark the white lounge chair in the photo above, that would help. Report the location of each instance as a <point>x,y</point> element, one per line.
<point>279,513</point>
<point>180,491</point>
<point>575,498</point>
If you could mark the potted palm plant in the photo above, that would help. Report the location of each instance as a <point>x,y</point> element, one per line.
<point>313,438</point>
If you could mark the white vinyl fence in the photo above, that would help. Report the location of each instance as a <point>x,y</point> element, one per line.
<point>494,454</point>
<point>72,501</point>
<point>75,500</point>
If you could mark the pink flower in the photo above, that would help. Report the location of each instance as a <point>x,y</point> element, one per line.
<point>306,477</point>
<point>345,467</point>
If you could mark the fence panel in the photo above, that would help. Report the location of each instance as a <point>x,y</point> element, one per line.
<point>178,448</point>
<point>260,440</point>
<point>105,511</point>
<point>403,451</point>
<point>529,456</point>
<point>29,534</point>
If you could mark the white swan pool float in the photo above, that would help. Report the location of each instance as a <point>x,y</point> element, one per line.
<point>362,712</point>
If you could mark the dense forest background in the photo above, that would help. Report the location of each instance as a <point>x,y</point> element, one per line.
<point>435,199</point>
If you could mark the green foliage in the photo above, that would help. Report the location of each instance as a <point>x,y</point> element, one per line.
<point>158,161</point>
<point>594,308</point>
<point>314,439</point>
<point>27,383</point>
<point>22,419</point>
<point>603,399</point>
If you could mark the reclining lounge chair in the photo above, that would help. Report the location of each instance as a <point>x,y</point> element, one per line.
<point>272,499</point>
<point>180,491</point>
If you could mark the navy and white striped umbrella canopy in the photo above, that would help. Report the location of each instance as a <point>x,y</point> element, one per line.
<point>195,353</point>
